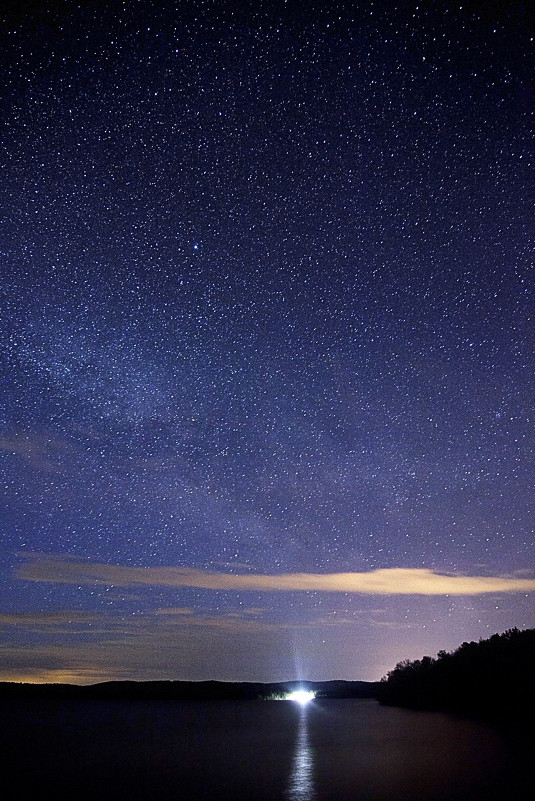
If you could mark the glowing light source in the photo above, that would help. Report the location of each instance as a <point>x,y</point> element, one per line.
<point>301,696</point>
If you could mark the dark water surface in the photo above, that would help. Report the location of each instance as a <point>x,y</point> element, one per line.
<point>333,750</point>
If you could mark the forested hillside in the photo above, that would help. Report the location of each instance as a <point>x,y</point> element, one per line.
<point>492,678</point>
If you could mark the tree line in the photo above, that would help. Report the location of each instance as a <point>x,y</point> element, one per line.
<point>493,678</point>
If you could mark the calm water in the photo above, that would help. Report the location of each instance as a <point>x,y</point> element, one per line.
<point>336,750</point>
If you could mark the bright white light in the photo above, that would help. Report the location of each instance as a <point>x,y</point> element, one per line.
<point>301,696</point>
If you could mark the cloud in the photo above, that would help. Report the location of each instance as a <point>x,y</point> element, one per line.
<point>44,454</point>
<point>35,620</point>
<point>176,611</point>
<point>176,643</point>
<point>386,581</point>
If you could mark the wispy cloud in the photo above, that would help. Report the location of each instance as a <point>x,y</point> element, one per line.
<point>168,643</point>
<point>44,454</point>
<point>36,620</point>
<point>387,581</point>
<point>176,611</point>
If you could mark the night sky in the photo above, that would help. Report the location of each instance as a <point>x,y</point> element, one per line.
<point>266,349</point>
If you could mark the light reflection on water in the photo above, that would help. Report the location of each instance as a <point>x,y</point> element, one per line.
<point>301,781</point>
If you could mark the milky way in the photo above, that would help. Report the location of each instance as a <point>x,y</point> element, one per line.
<point>266,293</point>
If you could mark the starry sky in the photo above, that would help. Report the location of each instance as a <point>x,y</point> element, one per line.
<point>266,360</point>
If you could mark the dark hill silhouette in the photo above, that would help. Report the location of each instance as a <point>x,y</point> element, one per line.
<point>491,679</point>
<point>185,690</point>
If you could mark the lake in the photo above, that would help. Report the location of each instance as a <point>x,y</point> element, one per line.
<point>330,750</point>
